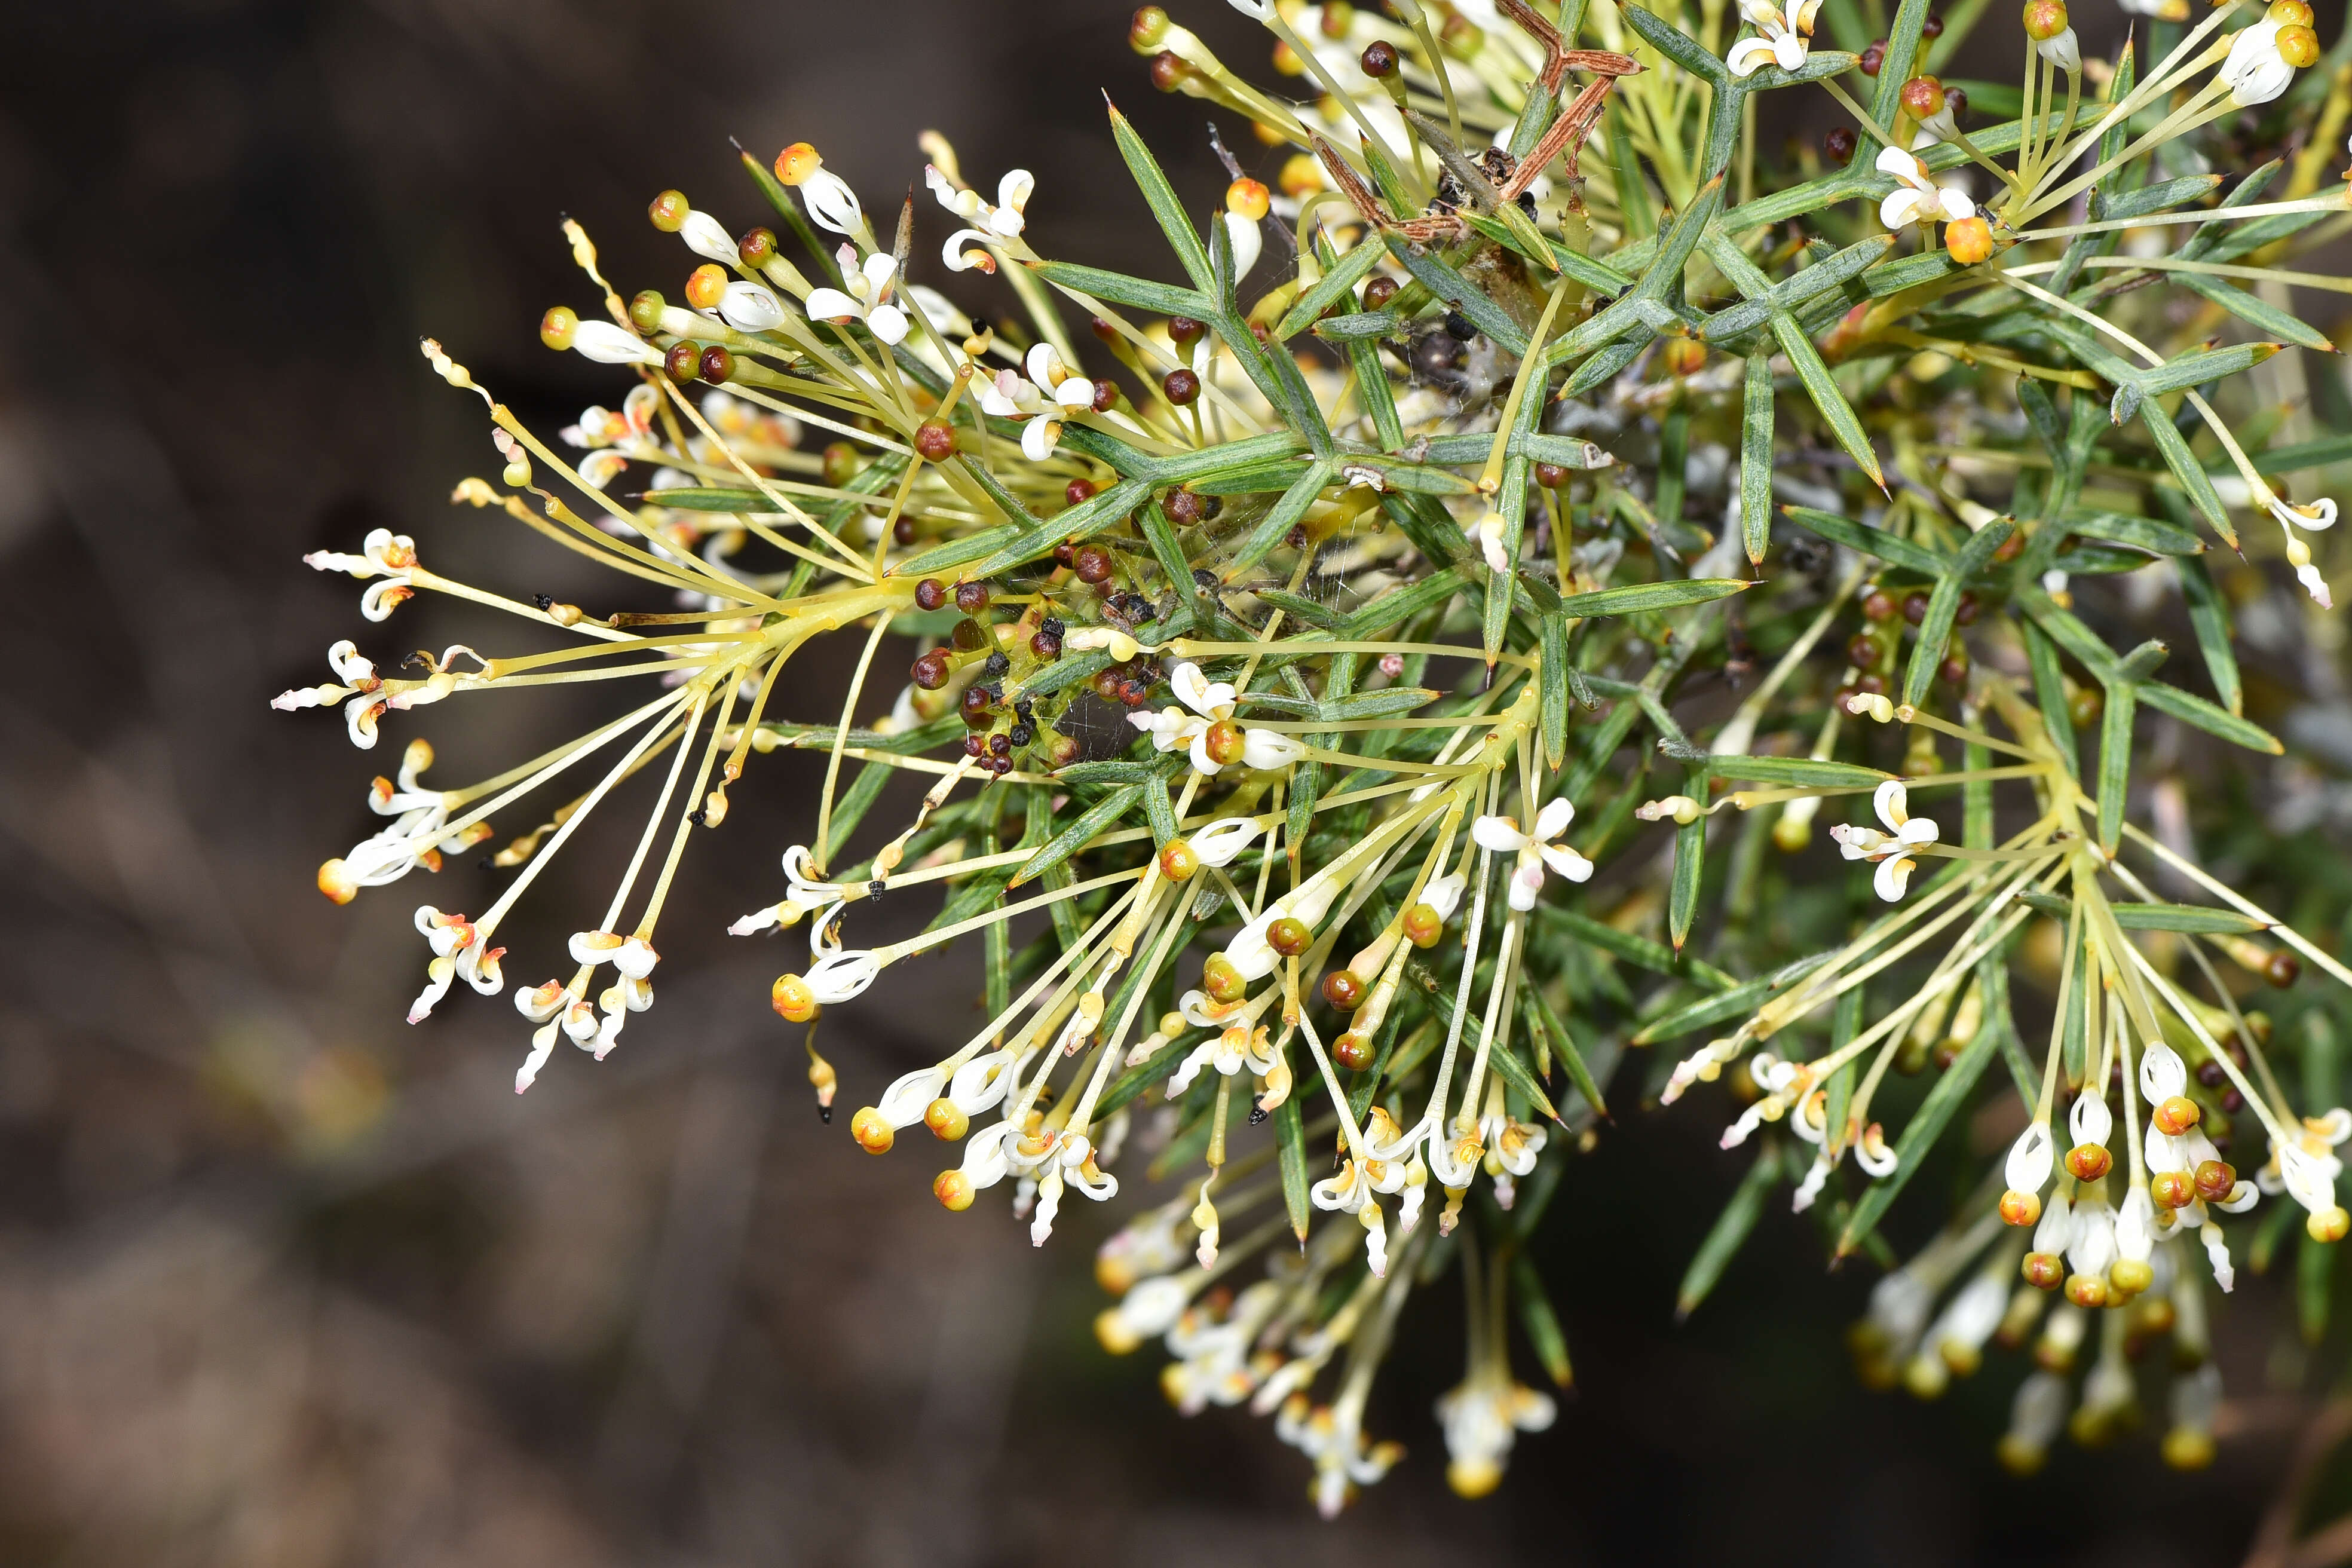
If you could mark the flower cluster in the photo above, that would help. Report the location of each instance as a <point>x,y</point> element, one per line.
<point>1291,659</point>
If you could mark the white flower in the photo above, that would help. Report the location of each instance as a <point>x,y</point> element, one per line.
<point>1214,1353</point>
<point>1247,240</point>
<point>839,973</point>
<point>358,679</point>
<point>1221,841</point>
<point>1891,850</point>
<point>1235,1049</point>
<point>831,203</point>
<point>608,344</point>
<point>632,955</point>
<point>2308,1166</point>
<point>2255,69</point>
<point>2064,51</point>
<point>1211,702</point>
<point>1333,1437</point>
<point>2162,10</point>
<point>1918,199</point>
<point>1047,369</point>
<point>419,833</point>
<point>807,896</point>
<point>863,296</point>
<point>461,950</point>
<point>1782,36</point>
<point>1534,850</point>
<point>708,237</point>
<point>2030,1159</point>
<point>557,1009</point>
<point>390,559</point>
<point>749,308</point>
<point>2316,516</point>
<point>1483,1416</point>
<point>1940,126</point>
<point>992,224</point>
<point>1490,530</point>
<point>1443,894</point>
<point>1146,1311</point>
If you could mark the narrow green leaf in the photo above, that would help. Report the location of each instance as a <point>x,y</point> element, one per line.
<point>2195,710</point>
<point>1290,1139</point>
<point>1541,1323</point>
<point>1869,541</point>
<point>1638,951</point>
<point>1506,1064</point>
<point>2050,692</point>
<point>1799,773</point>
<point>1919,1135</point>
<point>1362,326</point>
<point>2198,367</point>
<point>2304,454</point>
<point>1554,671</point>
<point>1638,596</point>
<point>2142,532</point>
<point>1540,1016</point>
<point>1280,519</point>
<point>1756,459</point>
<point>1136,293</point>
<point>1026,543</point>
<point>1337,282</point>
<point>1744,997</point>
<point>2208,614</point>
<point>1729,1231</point>
<point>1944,606</point>
<point>854,802</point>
<point>1137,1079</point>
<point>1460,293</point>
<point>1161,198</point>
<point>2200,919</point>
<point>2115,760</point>
<point>1690,863</point>
<point>1095,819</point>
<point>2174,447</point>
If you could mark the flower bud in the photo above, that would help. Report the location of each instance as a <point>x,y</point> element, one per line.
<point>2044,19</point>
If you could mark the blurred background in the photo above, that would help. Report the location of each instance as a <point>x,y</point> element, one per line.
<point>285,1281</point>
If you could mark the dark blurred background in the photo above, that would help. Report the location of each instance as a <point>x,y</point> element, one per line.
<point>284,1281</point>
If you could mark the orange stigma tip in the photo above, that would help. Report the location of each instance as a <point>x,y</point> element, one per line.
<point>796,162</point>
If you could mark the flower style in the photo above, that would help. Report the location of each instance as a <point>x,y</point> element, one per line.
<point>864,296</point>
<point>1784,37</point>
<point>1917,198</point>
<point>1534,851</point>
<point>1003,221</point>
<point>1890,850</point>
<point>1208,731</point>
